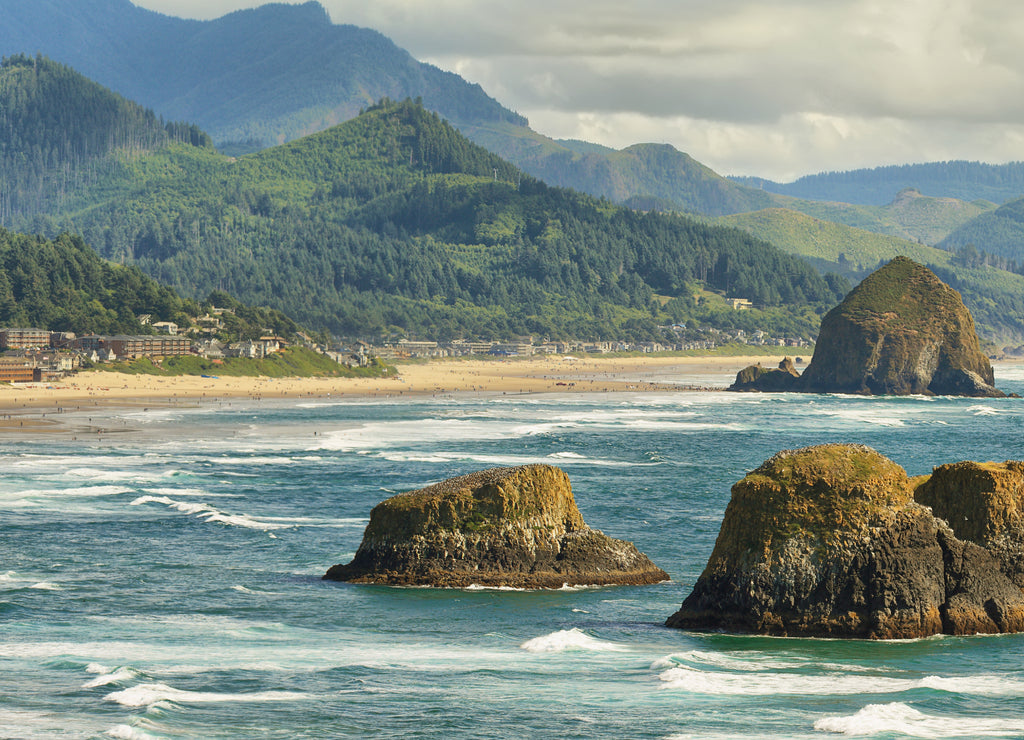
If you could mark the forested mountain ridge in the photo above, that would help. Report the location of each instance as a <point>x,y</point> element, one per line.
<point>256,77</point>
<point>62,132</point>
<point>966,181</point>
<point>395,220</point>
<point>260,77</point>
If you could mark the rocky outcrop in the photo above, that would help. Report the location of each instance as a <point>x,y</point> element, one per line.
<point>756,378</point>
<point>984,504</point>
<point>829,541</point>
<point>902,331</point>
<point>516,527</point>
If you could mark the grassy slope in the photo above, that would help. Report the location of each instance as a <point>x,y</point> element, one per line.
<point>293,362</point>
<point>671,179</point>
<point>994,297</point>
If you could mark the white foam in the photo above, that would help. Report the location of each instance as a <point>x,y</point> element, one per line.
<point>506,460</point>
<point>210,514</point>
<point>120,675</point>
<point>864,415</point>
<point>759,679</point>
<point>127,732</point>
<point>752,662</point>
<point>114,475</point>
<point>46,586</point>
<point>764,683</point>
<point>147,694</point>
<point>983,410</point>
<point>902,719</point>
<point>563,640</point>
<point>984,685</point>
<point>77,492</point>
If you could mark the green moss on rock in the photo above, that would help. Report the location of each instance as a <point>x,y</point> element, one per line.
<point>983,502</point>
<point>829,541</point>
<point>901,331</point>
<point>515,527</point>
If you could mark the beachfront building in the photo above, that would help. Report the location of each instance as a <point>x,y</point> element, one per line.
<point>125,346</point>
<point>149,346</point>
<point>11,338</point>
<point>14,370</point>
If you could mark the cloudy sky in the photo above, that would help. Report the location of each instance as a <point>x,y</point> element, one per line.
<point>777,88</point>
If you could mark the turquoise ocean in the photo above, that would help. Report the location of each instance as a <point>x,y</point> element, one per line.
<point>162,580</point>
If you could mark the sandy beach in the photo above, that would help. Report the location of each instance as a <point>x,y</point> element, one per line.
<point>33,405</point>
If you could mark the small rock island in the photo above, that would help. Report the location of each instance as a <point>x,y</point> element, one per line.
<point>514,527</point>
<point>902,331</point>
<point>837,541</point>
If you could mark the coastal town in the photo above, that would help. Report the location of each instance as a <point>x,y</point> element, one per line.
<point>40,355</point>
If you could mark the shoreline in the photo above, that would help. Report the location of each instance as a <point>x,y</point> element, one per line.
<point>31,409</point>
<point>548,374</point>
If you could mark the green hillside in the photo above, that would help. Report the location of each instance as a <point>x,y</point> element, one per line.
<point>659,177</point>
<point>995,297</point>
<point>395,222</point>
<point>63,285</point>
<point>63,132</point>
<point>643,176</point>
<point>999,232</point>
<point>909,216</point>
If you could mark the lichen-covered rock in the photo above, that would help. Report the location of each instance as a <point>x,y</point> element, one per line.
<point>902,331</point>
<point>828,541</point>
<point>983,503</point>
<point>516,527</point>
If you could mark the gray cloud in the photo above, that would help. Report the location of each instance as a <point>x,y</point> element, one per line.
<point>768,87</point>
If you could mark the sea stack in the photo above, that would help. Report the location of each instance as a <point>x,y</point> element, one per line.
<point>828,541</point>
<point>902,331</point>
<point>515,527</point>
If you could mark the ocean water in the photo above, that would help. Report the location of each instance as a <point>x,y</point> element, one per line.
<point>162,579</point>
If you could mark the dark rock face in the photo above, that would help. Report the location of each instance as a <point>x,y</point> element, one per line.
<point>984,504</point>
<point>902,331</point>
<point>756,378</point>
<point>516,527</point>
<point>829,541</point>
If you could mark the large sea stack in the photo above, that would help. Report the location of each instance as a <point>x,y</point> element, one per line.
<point>902,331</point>
<point>516,527</point>
<point>829,541</point>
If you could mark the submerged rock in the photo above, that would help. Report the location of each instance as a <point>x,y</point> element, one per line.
<point>902,331</point>
<point>829,541</point>
<point>516,527</point>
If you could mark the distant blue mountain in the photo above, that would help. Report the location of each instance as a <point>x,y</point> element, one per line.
<point>260,76</point>
<point>962,180</point>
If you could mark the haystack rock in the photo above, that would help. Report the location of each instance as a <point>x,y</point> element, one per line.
<point>515,527</point>
<point>902,331</point>
<point>829,541</point>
